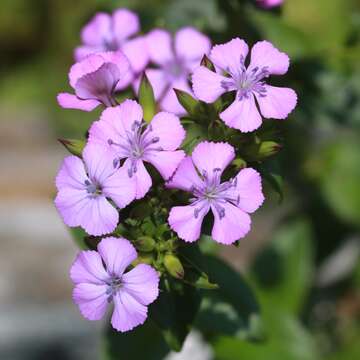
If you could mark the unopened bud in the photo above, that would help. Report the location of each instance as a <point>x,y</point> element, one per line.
<point>145,243</point>
<point>173,266</point>
<point>239,163</point>
<point>268,148</point>
<point>74,146</point>
<point>143,259</point>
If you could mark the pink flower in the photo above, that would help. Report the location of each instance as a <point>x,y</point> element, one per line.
<point>100,278</point>
<point>114,32</point>
<point>84,188</point>
<point>248,83</point>
<point>122,129</point>
<point>95,80</point>
<point>176,58</point>
<point>269,3</point>
<point>229,201</point>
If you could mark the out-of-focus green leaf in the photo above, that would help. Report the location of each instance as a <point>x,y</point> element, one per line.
<point>144,342</point>
<point>194,134</point>
<point>147,99</point>
<point>74,146</point>
<point>232,309</point>
<point>292,259</point>
<point>79,235</point>
<point>174,312</point>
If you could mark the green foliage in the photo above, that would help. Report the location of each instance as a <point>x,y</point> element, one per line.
<point>147,99</point>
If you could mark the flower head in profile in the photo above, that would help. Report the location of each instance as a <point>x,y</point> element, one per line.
<point>175,59</point>
<point>95,80</point>
<point>122,129</point>
<point>248,83</point>
<point>100,279</point>
<point>230,201</point>
<point>269,3</point>
<point>85,188</point>
<point>105,32</point>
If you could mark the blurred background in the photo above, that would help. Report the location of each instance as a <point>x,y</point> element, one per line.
<point>302,256</point>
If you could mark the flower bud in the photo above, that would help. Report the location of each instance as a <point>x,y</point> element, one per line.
<point>268,148</point>
<point>146,258</point>
<point>173,266</point>
<point>145,243</point>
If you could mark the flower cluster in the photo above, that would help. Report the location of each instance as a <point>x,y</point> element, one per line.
<point>129,159</point>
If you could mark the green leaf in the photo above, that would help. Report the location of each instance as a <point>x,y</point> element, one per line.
<point>194,134</point>
<point>79,235</point>
<point>205,61</point>
<point>147,99</point>
<point>187,101</point>
<point>174,312</point>
<point>74,146</point>
<point>232,309</point>
<point>144,342</point>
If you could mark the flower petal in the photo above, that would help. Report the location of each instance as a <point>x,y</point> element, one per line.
<point>229,56</point>
<point>265,54</point>
<point>191,44</point>
<point>158,81</point>
<point>71,174</point>
<point>183,221</point>
<point>242,114</point>
<point>167,127</point>
<point>141,178</point>
<point>98,30</point>
<point>91,300</point>
<point>142,283</point>
<point>208,85</point>
<point>117,254</point>
<point>115,123</point>
<point>278,103</point>
<point>248,187</point>
<point>81,52</point>
<point>208,156</point>
<point>166,162</point>
<point>170,102</point>
<point>98,217</point>
<point>135,51</point>
<point>99,162</point>
<point>70,101</point>
<point>185,176</point>
<point>128,312</point>
<point>234,225</point>
<point>119,188</point>
<point>125,24</point>
<point>88,268</point>
<point>159,44</point>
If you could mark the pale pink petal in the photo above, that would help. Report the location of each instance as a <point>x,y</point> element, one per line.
<point>142,283</point>
<point>71,174</point>
<point>159,44</point>
<point>234,225</point>
<point>98,217</point>
<point>249,190</point>
<point>183,221</point>
<point>91,300</point>
<point>117,254</point>
<point>125,24</point>
<point>98,30</point>
<point>70,101</point>
<point>185,177</point>
<point>229,56</point>
<point>83,51</point>
<point>264,54</point>
<point>166,162</point>
<point>167,127</point>
<point>115,123</point>
<point>278,103</point>
<point>119,188</point>
<point>128,312</point>
<point>135,51</point>
<point>269,3</point>
<point>208,86</point>
<point>88,65</point>
<point>191,44</point>
<point>99,162</point>
<point>141,178</point>
<point>210,157</point>
<point>242,114</point>
<point>170,102</point>
<point>158,81</point>
<point>88,268</point>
